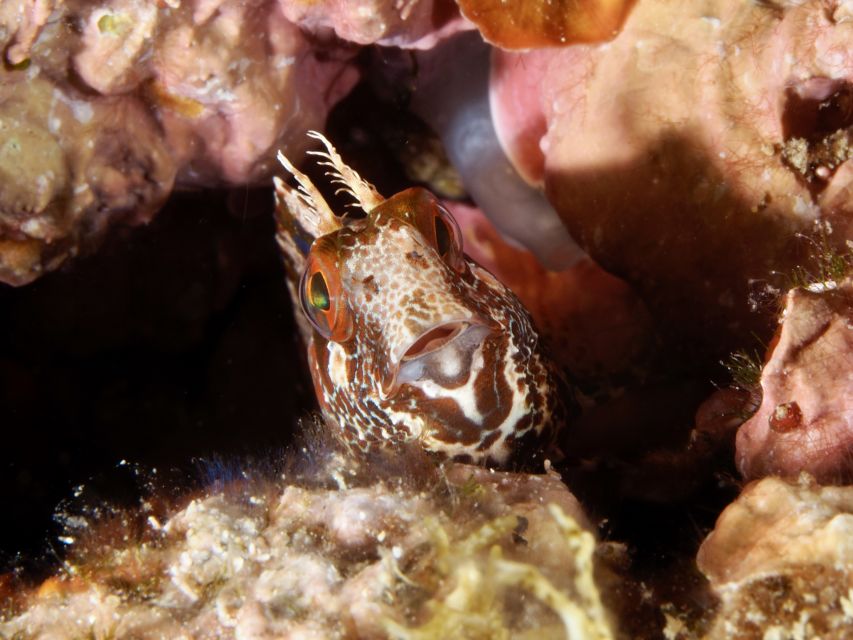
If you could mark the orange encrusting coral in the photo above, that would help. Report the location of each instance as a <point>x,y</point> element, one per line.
<point>545,23</point>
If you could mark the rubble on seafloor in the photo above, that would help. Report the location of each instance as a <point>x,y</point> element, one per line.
<point>471,554</point>
<point>465,552</point>
<point>781,561</point>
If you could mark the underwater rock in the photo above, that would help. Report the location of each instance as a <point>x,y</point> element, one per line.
<point>71,165</point>
<point>415,24</point>
<point>21,22</point>
<point>780,561</point>
<point>476,554</point>
<point>686,154</point>
<point>106,105</point>
<point>805,420</point>
<point>228,102</point>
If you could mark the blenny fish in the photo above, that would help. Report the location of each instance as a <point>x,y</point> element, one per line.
<point>408,339</point>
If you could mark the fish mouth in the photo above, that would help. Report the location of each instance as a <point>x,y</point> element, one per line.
<point>433,340</point>
<point>443,353</point>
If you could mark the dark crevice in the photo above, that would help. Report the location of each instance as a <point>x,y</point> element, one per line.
<point>817,124</point>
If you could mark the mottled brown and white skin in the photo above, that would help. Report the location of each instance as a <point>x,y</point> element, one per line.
<point>408,339</point>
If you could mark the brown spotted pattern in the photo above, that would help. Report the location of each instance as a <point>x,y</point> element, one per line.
<point>409,339</point>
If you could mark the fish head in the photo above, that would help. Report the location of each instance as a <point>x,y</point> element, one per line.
<point>412,340</point>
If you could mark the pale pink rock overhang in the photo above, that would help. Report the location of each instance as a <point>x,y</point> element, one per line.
<point>805,421</point>
<point>780,561</point>
<point>685,154</point>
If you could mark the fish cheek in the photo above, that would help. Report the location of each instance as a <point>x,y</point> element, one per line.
<point>449,423</point>
<point>318,367</point>
<point>492,393</point>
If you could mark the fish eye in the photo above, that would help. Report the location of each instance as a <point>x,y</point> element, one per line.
<point>446,236</point>
<point>443,239</point>
<point>421,209</point>
<point>318,292</point>
<point>323,299</point>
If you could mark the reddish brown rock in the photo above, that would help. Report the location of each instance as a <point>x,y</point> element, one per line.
<point>805,421</point>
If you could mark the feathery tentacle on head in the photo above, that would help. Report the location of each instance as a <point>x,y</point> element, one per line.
<point>349,181</point>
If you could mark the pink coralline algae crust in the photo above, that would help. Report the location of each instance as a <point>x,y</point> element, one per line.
<point>228,101</point>
<point>780,561</point>
<point>499,552</point>
<point>20,25</point>
<point>412,24</point>
<point>194,93</point>
<point>685,154</point>
<point>805,421</point>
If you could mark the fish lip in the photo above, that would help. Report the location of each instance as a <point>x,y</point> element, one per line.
<point>398,353</point>
<point>457,329</point>
<point>433,339</point>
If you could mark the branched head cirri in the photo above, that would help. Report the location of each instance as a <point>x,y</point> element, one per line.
<point>408,339</point>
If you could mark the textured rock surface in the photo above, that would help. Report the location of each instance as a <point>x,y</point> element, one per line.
<point>805,421</point>
<point>413,24</point>
<point>104,105</point>
<point>781,559</point>
<point>672,152</point>
<point>71,164</point>
<point>479,554</point>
